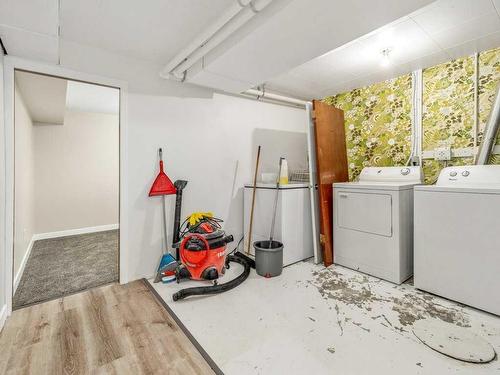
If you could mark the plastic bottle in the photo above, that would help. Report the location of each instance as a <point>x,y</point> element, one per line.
<point>284,173</point>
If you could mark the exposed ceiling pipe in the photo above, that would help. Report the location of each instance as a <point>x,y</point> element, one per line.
<point>232,19</point>
<point>260,94</point>
<point>490,132</point>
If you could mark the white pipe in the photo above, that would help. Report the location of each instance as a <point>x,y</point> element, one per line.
<point>234,18</point>
<point>417,92</point>
<point>276,97</point>
<point>476,102</point>
<point>490,132</point>
<point>203,37</point>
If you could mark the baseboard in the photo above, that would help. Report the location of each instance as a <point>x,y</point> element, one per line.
<point>3,316</point>
<point>19,273</point>
<point>72,232</point>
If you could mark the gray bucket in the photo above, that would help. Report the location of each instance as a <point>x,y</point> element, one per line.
<point>268,261</point>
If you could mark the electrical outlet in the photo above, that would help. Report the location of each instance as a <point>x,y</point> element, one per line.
<point>442,153</point>
<point>464,152</point>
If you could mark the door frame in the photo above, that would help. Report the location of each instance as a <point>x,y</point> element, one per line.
<point>11,64</point>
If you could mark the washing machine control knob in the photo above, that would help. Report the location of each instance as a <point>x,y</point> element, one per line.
<point>405,171</point>
<point>453,173</point>
<point>465,173</point>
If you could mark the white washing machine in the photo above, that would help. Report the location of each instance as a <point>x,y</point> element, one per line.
<point>457,236</point>
<point>293,219</point>
<point>373,222</point>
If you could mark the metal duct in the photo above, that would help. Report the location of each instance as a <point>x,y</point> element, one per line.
<point>490,132</point>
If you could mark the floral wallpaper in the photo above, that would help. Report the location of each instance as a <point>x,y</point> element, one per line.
<point>378,117</point>
<point>378,125</point>
<point>447,110</point>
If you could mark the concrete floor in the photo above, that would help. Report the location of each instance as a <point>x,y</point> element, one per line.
<point>313,320</point>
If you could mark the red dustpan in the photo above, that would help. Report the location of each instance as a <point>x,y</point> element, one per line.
<point>162,184</point>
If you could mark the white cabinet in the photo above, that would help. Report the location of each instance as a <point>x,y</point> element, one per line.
<point>293,219</point>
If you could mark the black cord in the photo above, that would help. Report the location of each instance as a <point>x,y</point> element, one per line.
<point>236,248</point>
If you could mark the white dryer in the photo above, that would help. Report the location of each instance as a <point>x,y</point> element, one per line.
<point>373,222</point>
<point>457,236</point>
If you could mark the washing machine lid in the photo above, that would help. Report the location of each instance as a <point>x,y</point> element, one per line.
<point>388,175</point>
<point>470,177</point>
<point>385,178</point>
<point>389,186</point>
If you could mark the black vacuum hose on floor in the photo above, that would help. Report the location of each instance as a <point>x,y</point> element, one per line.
<point>214,289</point>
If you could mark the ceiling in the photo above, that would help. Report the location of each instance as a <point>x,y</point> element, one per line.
<point>153,30</point>
<point>307,49</point>
<point>44,97</point>
<point>297,32</point>
<point>132,40</point>
<point>439,32</point>
<point>47,98</point>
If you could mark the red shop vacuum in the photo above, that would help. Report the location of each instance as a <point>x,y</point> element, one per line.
<point>202,252</point>
<point>200,244</point>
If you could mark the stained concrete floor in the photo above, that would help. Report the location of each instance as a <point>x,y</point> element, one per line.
<point>320,320</point>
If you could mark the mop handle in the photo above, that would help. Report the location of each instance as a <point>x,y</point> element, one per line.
<point>275,204</point>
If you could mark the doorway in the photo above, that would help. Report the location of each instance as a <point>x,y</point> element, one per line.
<point>66,187</point>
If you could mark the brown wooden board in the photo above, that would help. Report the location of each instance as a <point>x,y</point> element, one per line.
<point>331,165</point>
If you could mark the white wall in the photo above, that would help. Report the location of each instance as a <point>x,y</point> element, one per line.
<point>77,172</point>
<point>24,181</point>
<point>207,142</point>
<point>3,271</point>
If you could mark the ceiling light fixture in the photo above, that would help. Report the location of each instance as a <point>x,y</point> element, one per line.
<point>385,62</point>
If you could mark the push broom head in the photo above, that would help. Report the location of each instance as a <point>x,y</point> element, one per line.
<point>162,184</point>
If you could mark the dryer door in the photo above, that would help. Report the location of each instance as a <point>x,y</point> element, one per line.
<point>365,212</point>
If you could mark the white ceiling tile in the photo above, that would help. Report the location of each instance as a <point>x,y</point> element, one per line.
<point>303,30</point>
<point>359,62</point>
<point>40,16</point>
<point>428,60</point>
<point>30,45</point>
<point>445,14</point>
<point>458,27</point>
<point>405,40</point>
<point>335,65</point>
<point>293,90</point>
<point>468,48</point>
<point>468,31</point>
<point>153,30</point>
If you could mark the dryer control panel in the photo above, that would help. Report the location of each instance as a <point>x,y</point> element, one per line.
<point>486,176</point>
<point>391,174</point>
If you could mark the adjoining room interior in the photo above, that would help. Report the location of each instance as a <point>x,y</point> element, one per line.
<point>66,187</point>
<point>248,187</point>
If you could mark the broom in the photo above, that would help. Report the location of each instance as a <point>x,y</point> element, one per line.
<point>163,186</point>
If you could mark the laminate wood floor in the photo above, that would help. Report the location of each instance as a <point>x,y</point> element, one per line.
<point>114,329</point>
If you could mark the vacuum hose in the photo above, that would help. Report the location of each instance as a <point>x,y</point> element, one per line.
<point>219,288</point>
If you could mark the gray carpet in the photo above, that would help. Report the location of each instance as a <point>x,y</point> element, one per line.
<point>65,265</point>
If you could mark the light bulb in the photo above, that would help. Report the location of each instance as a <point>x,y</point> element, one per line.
<point>385,61</point>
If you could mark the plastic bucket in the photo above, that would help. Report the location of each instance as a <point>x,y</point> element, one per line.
<point>268,260</point>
